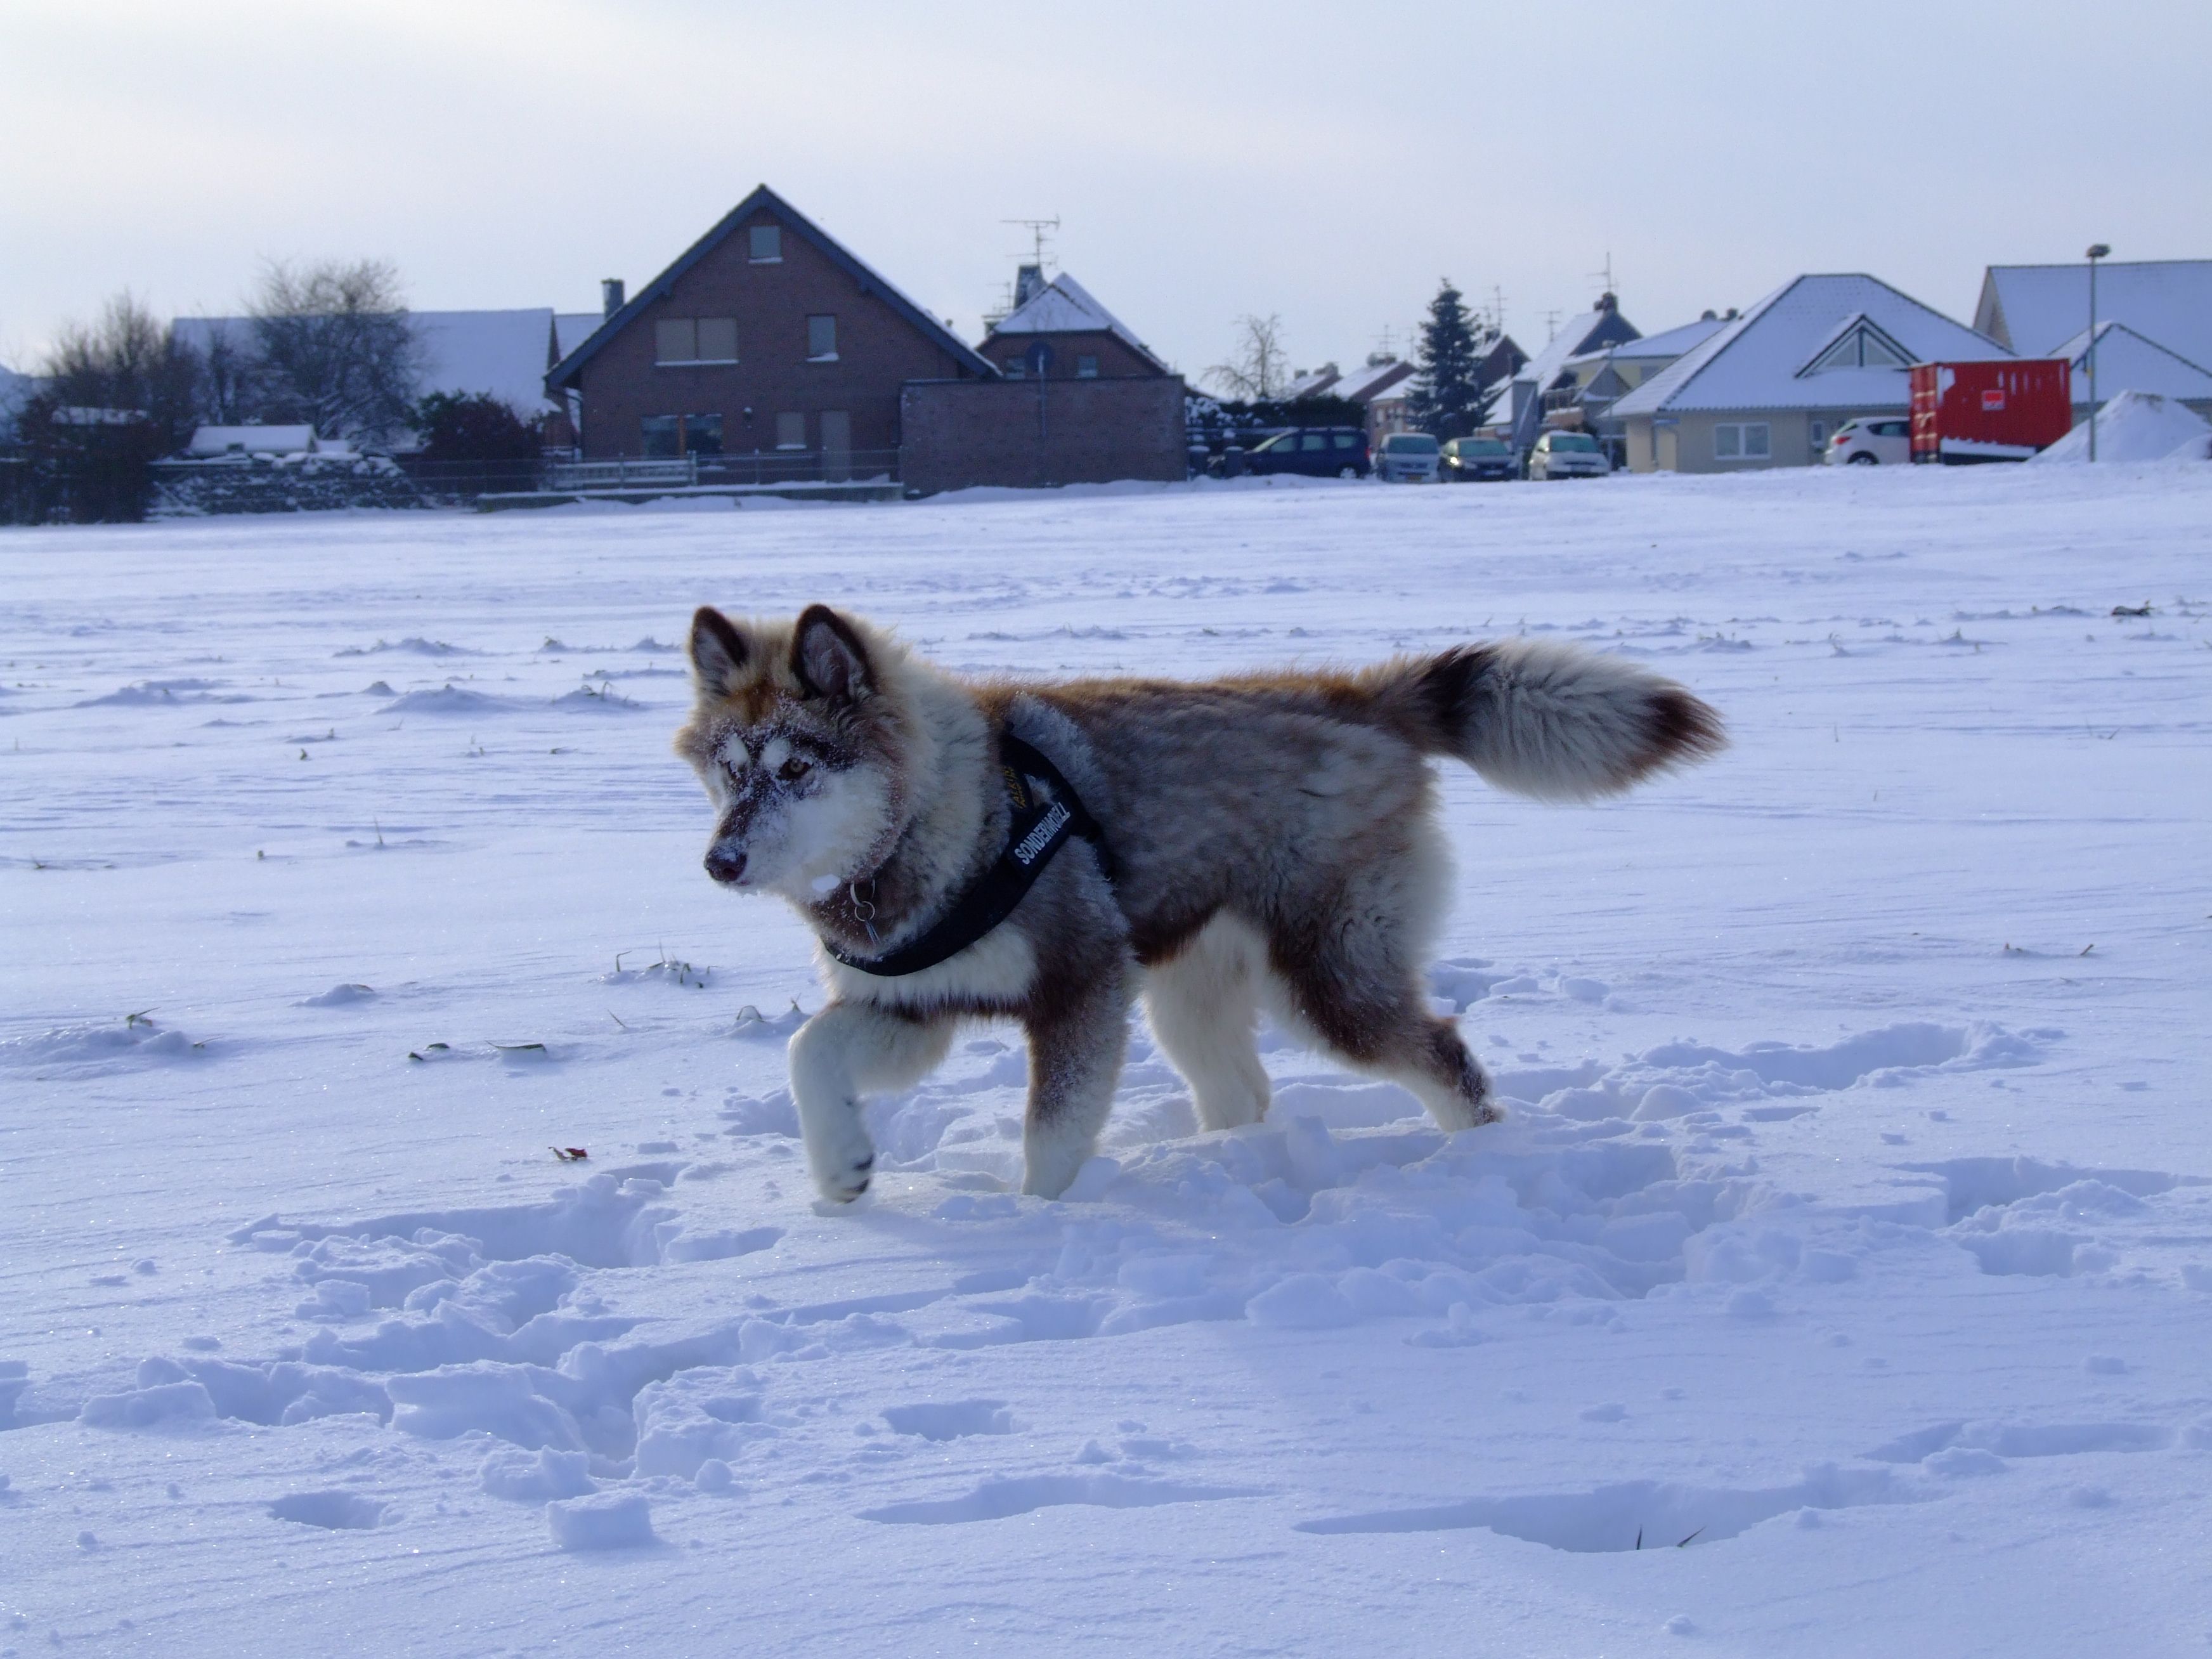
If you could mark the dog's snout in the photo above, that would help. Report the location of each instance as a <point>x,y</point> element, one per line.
<point>724,868</point>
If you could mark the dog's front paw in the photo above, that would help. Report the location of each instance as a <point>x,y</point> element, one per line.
<point>847,1182</point>
<point>840,1156</point>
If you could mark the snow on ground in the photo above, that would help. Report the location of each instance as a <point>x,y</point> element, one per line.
<point>1849,1251</point>
<point>2135,426</point>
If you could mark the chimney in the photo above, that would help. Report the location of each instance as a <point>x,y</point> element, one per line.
<point>1029,282</point>
<point>611,296</point>
<point>1607,302</point>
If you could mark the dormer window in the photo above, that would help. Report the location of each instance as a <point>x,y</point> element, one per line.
<point>1858,344</point>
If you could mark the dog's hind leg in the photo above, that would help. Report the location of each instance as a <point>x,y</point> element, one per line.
<point>1077,1044</point>
<point>1345,966</point>
<point>1202,1006</point>
<point>848,1049</point>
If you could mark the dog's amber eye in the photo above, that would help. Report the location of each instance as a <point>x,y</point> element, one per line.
<point>794,769</point>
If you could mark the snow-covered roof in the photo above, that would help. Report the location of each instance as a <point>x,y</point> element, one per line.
<point>2125,359</point>
<point>253,440</point>
<point>1312,382</point>
<point>2034,308</point>
<point>1363,384</point>
<point>1770,356</point>
<point>571,328</point>
<point>1672,344</point>
<point>502,352</point>
<point>1584,332</point>
<point>1577,337</point>
<point>1064,305</point>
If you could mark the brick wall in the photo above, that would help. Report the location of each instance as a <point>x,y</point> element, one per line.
<point>961,433</point>
<point>877,352</point>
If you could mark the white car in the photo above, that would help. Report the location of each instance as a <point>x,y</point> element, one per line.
<point>1568,455</point>
<point>1871,440</point>
<point>1407,457</point>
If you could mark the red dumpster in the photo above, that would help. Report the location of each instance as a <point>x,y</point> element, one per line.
<point>2001,410</point>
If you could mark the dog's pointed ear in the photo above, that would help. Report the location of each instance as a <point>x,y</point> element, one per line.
<point>830,657</point>
<point>720,650</point>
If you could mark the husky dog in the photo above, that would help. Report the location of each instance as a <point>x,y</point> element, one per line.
<point>1263,842</point>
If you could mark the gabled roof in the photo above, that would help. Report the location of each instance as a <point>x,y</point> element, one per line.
<point>571,329</point>
<point>1364,385</point>
<point>501,352</point>
<point>1758,360</point>
<point>2127,362</point>
<point>1858,342</point>
<point>2033,308</point>
<point>1064,305</point>
<point>1313,383</point>
<point>1671,343</point>
<point>1585,331</point>
<point>566,371</point>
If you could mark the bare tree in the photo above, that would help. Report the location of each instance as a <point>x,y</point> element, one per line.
<point>1257,366</point>
<point>117,395</point>
<point>335,348</point>
<point>128,363</point>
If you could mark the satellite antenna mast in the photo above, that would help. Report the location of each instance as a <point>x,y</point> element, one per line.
<point>1040,245</point>
<point>1605,276</point>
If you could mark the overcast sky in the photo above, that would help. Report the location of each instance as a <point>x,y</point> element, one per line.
<point>1328,163</point>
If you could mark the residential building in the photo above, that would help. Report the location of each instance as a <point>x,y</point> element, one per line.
<point>1314,383</point>
<point>766,337</point>
<point>1058,329</point>
<point>1768,389</point>
<point>1584,392</point>
<point>2035,310</point>
<point>2126,361</point>
<point>1586,331</point>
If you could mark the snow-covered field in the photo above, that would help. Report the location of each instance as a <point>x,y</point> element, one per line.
<point>1850,1246</point>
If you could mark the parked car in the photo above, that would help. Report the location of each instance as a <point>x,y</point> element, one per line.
<point>1465,459</point>
<point>1568,455</point>
<point>1315,452</point>
<point>1407,457</point>
<point>1871,440</point>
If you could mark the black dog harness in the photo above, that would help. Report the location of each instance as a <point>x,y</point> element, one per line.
<point>1041,825</point>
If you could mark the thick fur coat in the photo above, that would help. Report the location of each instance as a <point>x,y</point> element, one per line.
<point>1271,840</point>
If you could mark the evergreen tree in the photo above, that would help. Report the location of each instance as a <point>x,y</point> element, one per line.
<point>1451,396</point>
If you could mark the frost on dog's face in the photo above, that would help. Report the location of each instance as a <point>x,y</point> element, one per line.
<point>783,737</point>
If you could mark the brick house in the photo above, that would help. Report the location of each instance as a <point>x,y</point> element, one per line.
<point>765,338</point>
<point>1080,339</point>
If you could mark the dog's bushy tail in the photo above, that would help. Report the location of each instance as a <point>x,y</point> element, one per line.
<point>1540,718</point>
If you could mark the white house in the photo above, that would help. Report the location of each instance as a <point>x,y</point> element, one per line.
<point>1768,389</point>
<point>2126,361</point>
<point>2037,309</point>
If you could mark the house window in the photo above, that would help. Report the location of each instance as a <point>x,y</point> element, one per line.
<point>1086,368</point>
<point>1015,367</point>
<point>717,339</point>
<point>1740,441</point>
<point>791,431</point>
<point>686,340</point>
<point>664,436</point>
<point>764,245</point>
<point>820,339</point>
<point>669,436</point>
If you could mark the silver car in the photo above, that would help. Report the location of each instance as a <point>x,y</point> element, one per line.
<point>1568,455</point>
<point>1407,457</point>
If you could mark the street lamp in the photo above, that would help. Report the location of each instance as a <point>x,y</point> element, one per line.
<point>2097,250</point>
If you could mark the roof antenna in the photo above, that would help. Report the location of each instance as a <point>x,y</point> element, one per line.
<point>1040,251</point>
